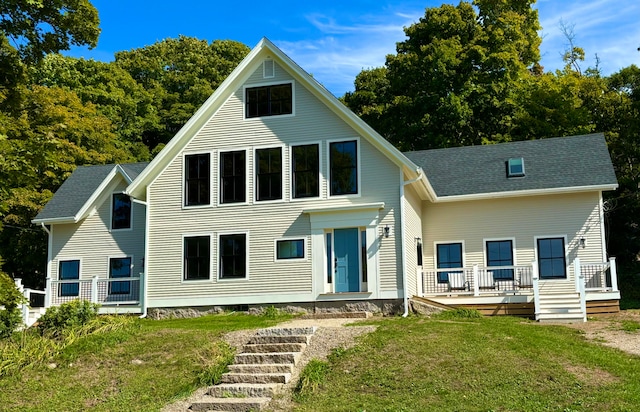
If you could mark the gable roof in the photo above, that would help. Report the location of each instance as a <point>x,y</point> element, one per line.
<point>73,200</point>
<point>265,49</point>
<point>554,165</point>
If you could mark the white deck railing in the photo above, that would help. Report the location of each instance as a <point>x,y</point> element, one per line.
<point>106,292</point>
<point>502,280</point>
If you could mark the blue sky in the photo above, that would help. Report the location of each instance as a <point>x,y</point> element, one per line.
<point>336,40</point>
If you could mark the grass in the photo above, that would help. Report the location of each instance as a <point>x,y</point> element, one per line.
<point>140,368</point>
<point>476,364</point>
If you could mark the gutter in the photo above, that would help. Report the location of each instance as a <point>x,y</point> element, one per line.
<point>405,285</point>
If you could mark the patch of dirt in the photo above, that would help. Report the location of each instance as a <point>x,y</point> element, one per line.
<point>593,377</point>
<point>607,330</point>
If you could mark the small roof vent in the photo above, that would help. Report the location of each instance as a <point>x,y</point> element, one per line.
<point>515,167</point>
<point>268,69</point>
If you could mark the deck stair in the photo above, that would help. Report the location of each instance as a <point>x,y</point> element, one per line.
<point>560,307</point>
<point>259,371</point>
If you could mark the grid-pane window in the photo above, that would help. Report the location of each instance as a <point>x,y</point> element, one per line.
<point>269,100</point>
<point>197,257</point>
<point>269,174</point>
<point>233,256</point>
<point>233,177</point>
<point>306,171</point>
<point>449,255</point>
<point>119,268</point>
<point>69,269</point>
<point>551,258</point>
<point>500,253</point>
<point>290,249</point>
<point>120,211</point>
<point>343,165</point>
<point>197,183</point>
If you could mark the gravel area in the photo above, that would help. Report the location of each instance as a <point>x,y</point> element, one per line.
<point>331,333</point>
<point>607,330</point>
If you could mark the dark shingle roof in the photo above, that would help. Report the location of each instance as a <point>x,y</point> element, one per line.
<point>559,162</point>
<point>79,187</point>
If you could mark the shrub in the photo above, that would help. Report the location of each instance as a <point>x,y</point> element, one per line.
<point>10,300</point>
<point>67,316</point>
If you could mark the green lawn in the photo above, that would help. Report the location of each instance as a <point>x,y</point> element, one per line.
<point>141,368</point>
<point>488,364</point>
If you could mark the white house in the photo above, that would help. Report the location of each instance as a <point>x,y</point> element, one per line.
<point>275,193</point>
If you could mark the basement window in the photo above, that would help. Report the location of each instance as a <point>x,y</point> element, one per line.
<point>515,167</point>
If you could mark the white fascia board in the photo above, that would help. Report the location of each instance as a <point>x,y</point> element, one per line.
<point>55,220</point>
<point>90,203</point>
<point>193,125</point>
<point>124,174</point>
<point>521,193</point>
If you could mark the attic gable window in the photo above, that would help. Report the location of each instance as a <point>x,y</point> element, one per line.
<point>515,167</point>
<point>270,100</point>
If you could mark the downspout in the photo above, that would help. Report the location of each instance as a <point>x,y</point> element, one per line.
<point>146,254</point>
<point>404,251</point>
<point>47,285</point>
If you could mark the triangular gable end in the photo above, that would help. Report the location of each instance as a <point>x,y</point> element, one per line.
<point>265,49</point>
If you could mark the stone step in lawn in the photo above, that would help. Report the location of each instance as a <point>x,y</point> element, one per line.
<point>273,347</point>
<point>286,331</point>
<point>210,403</point>
<point>278,339</point>
<point>262,368</point>
<point>258,358</point>
<point>256,378</point>
<point>244,390</point>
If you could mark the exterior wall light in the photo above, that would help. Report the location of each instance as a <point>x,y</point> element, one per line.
<point>583,242</point>
<point>386,229</point>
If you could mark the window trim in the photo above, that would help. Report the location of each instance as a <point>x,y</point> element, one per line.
<point>320,174</point>
<point>183,279</point>
<point>123,229</point>
<point>286,260</point>
<point>499,239</point>
<point>248,163</point>
<point>131,266</point>
<point>283,172</point>
<point>510,173</point>
<point>358,168</point>
<point>267,84</point>
<point>211,154</point>
<point>70,259</point>
<point>219,255</point>
<point>435,256</point>
<point>566,255</point>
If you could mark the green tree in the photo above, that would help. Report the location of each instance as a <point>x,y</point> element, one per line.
<point>29,30</point>
<point>455,79</point>
<point>181,74</point>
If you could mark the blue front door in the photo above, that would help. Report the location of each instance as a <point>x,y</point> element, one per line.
<point>347,265</point>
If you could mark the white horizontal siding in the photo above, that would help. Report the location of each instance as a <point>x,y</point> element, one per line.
<point>523,218</point>
<point>264,222</point>
<point>91,240</point>
<point>412,231</point>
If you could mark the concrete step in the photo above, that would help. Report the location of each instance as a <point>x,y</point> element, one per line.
<point>273,347</point>
<point>338,315</point>
<point>232,377</point>
<point>210,403</point>
<point>279,339</point>
<point>262,368</point>
<point>244,390</point>
<point>286,331</point>
<point>261,358</point>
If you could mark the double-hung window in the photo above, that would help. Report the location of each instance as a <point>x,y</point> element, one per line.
<point>119,268</point>
<point>449,255</point>
<point>197,257</point>
<point>233,256</point>
<point>120,211</point>
<point>269,174</point>
<point>68,270</point>
<point>305,171</point>
<point>233,177</point>
<point>551,258</point>
<point>343,168</point>
<point>270,100</point>
<point>500,253</point>
<point>197,180</point>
